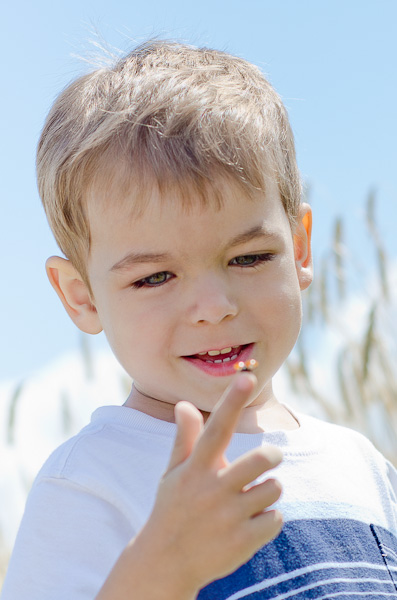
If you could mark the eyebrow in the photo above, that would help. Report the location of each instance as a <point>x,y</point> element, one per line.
<point>133,258</point>
<point>258,231</point>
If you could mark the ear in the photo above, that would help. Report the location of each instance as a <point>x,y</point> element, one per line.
<point>74,294</point>
<point>302,246</point>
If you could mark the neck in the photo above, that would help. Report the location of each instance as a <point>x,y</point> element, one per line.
<point>269,416</point>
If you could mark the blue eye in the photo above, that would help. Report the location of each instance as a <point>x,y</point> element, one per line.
<point>251,260</point>
<point>154,280</point>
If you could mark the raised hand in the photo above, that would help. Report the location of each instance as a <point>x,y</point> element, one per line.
<point>213,519</point>
<point>209,517</point>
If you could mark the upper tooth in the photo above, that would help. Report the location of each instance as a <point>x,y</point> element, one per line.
<point>202,353</point>
<point>216,352</point>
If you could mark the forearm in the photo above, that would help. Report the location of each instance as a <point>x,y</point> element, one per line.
<point>146,572</point>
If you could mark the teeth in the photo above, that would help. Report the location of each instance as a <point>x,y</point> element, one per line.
<point>222,360</point>
<point>217,352</point>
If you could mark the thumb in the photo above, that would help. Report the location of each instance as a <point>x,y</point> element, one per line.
<point>190,424</point>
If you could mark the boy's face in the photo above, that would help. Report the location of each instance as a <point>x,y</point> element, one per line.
<point>184,294</point>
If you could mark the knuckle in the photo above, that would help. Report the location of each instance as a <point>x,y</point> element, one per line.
<point>257,460</point>
<point>274,488</point>
<point>261,459</point>
<point>183,480</point>
<point>278,521</point>
<point>272,455</point>
<point>272,523</point>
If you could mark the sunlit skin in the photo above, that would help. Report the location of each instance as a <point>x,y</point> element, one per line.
<point>171,284</point>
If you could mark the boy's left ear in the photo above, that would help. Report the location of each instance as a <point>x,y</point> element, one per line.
<point>302,246</point>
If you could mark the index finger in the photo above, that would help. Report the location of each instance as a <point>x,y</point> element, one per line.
<point>221,425</point>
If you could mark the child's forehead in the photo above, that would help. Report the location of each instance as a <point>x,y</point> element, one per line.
<point>177,222</point>
<point>132,195</point>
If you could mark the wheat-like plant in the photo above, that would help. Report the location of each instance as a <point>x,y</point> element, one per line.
<point>364,369</point>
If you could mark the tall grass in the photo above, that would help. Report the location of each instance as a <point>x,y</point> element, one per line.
<point>364,394</point>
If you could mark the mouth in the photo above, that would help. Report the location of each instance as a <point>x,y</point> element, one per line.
<point>220,362</point>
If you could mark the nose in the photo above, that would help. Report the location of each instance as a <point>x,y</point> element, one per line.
<point>211,301</point>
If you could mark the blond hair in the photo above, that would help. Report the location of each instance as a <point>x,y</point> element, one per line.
<point>166,113</point>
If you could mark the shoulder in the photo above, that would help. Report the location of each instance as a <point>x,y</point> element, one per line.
<point>71,457</point>
<point>116,446</point>
<point>333,431</point>
<point>337,471</point>
<point>351,445</point>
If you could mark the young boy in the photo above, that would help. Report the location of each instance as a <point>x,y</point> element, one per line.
<point>171,186</point>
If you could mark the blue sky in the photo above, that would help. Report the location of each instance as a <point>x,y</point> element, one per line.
<point>333,62</point>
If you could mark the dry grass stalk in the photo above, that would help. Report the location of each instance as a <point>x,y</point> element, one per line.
<point>12,412</point>
<point>364,371</point>
<point>339,252</point>
<point>324,290</point>
<point>377,240</point>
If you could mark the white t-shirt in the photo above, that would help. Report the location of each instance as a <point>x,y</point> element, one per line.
<point>97,490</point>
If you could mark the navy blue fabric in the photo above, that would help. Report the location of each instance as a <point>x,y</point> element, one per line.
<point>387,547</point>
<point>339,558</point>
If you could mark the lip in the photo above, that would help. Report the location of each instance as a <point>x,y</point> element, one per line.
<point>221,369</point>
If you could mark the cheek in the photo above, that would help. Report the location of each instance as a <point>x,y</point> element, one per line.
<point>289,302</point>
<point>278,302</point>
<point>139,329</point>
<point>285,313</point>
